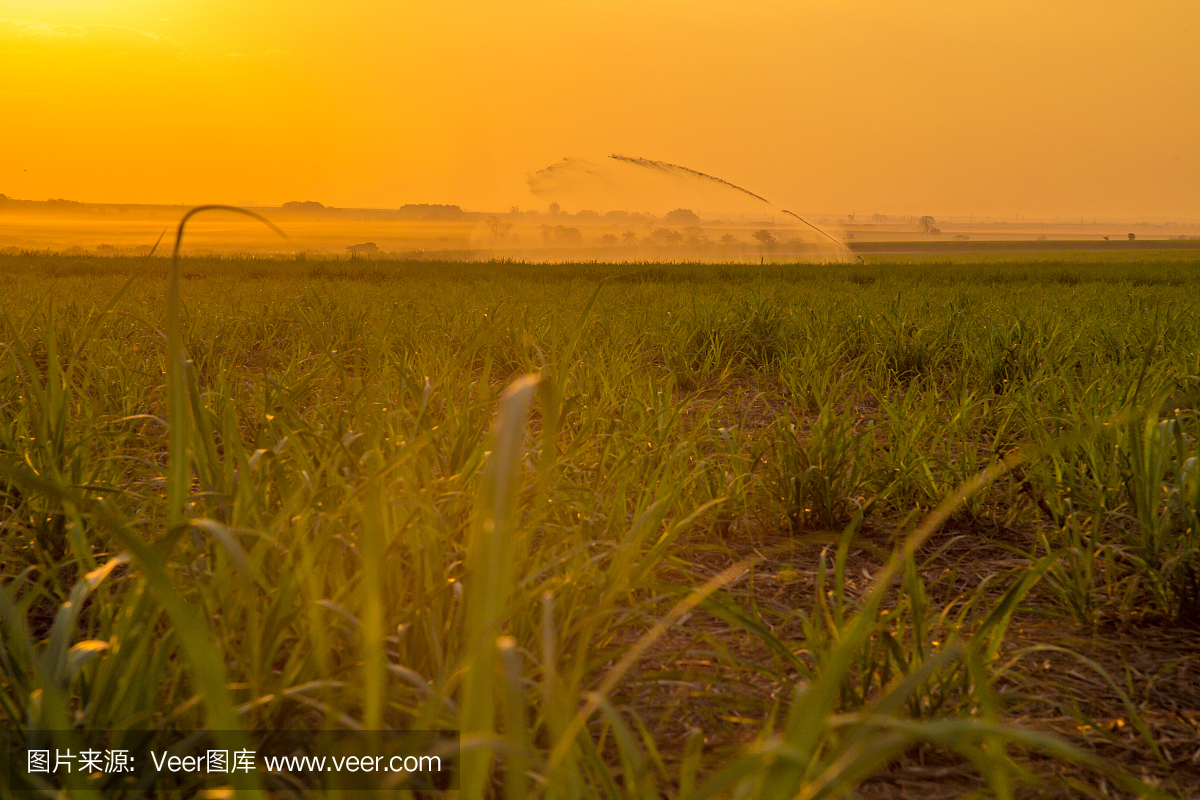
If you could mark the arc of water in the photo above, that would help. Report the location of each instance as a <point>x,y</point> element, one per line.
<point>663,166</point>
<point>823,233</point>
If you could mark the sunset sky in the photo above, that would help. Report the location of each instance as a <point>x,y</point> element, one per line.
<point>987,107</point>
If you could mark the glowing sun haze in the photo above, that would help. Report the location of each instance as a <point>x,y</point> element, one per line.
<point>992,107</point>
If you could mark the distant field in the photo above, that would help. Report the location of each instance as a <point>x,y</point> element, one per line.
<point>450,232</point>
<point>917,525</point>
<point>929,247</point>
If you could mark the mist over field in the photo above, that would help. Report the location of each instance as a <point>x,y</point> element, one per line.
<point>553,231</point>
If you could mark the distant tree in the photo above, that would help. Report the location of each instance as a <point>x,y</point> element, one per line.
<point>630,237</point>
<point>567,235</point>
<point>548,233</point>
<point>608,239</point>
<point>361,249</point>
<point>682,216</point>
<point>961,237</point>
<point>695,235</point>
<point>514,210</point>
<point>926,223</point>
<point>555,208</point>
<point>1132,236</point>
<point>764,237</point>
<point>586,214</point>
<point>728,239</point>
<point>499,227</point>
<point>877,218</point>
<point>617,215</point>
<point>666,236</point>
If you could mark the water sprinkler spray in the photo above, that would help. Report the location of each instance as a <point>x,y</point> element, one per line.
<point>675,169</point>
<point>826,235</point>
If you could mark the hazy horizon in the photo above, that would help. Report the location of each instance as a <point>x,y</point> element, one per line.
<point>830,217</point>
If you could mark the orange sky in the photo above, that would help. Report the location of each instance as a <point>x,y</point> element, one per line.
<point>997,107</point>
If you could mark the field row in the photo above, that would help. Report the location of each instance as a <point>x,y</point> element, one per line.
<point>761,458</point>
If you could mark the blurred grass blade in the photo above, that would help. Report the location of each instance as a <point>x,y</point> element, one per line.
<point>489,574</point>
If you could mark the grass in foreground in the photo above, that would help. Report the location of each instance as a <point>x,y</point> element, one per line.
<point>719,546</point>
